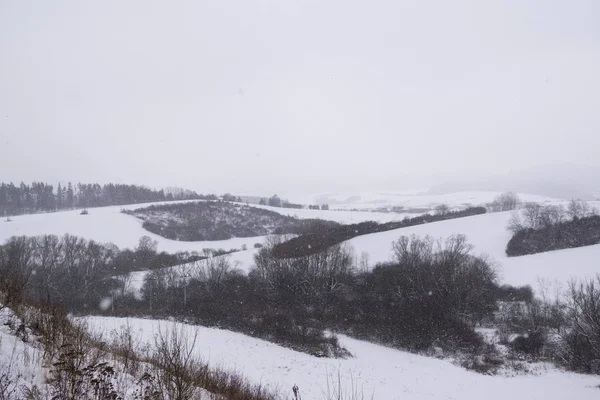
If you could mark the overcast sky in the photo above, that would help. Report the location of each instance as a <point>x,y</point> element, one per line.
<point>280,95</point>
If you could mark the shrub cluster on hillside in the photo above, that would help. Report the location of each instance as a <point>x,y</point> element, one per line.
<point>39,196</point>
<point>210,220</point>
<point>544,228</point>
<point>317,241</point>
<point>431,292</point>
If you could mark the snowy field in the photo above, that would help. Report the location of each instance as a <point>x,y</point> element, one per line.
<point>410,199</point>
<point>378,372</point>
<point>108,224</point>
<point>488,234</point>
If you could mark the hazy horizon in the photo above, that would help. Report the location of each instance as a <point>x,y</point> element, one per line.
<point>296,96</point>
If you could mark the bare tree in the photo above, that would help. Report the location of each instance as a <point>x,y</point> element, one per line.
<point>578,209</point>
<point>442,209</point>
<point>504,202</point>
<point>583,342</point>
<point>16,268</point>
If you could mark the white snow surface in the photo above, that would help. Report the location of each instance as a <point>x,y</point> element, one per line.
<point>488,234</point>
<point>378,372</point>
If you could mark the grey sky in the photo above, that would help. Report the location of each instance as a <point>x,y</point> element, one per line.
<point>283,95</point>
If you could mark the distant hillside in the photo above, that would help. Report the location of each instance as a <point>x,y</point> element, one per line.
<point>219,220</point>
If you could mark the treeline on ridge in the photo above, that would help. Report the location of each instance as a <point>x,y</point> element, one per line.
<point>42,197</point>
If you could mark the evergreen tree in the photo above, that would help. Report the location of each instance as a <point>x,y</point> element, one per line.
<point>70,196</point>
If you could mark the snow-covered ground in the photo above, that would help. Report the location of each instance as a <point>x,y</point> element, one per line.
<point>109,224</point>
<point>409,199</point>
<point>378,372</point>
<point>20,362</point>
<point>488,234</point>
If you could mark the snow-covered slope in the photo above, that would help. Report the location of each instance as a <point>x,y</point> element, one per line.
<point>489,236</point>
<point>378,372</point>
<point>108,224</point>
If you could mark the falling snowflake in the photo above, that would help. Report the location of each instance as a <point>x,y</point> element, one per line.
<point>105,303</point>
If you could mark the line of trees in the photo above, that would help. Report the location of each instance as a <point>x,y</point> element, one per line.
<point>43,197</point>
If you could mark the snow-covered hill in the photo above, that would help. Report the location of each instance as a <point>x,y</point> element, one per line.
<point>376,371</point>
<point>488,234</point>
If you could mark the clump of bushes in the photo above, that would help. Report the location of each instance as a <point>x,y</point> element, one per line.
<point>539,228</point>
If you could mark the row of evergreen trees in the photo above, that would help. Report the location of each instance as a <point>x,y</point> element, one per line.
<point>40,196</point>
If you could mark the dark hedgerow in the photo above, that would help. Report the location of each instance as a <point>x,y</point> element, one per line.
<point>577,232</point>
<point>316,241</point>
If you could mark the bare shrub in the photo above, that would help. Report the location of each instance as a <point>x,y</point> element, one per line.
<point>582,343</point>
<point>9,383</point>
<point>578,209</point>
<point>442,209</point>
<point>336,390</point>
<point>174,354</point>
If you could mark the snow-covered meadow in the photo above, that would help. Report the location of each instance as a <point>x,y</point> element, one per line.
<point>488,234</point>
<point>377,372</point>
